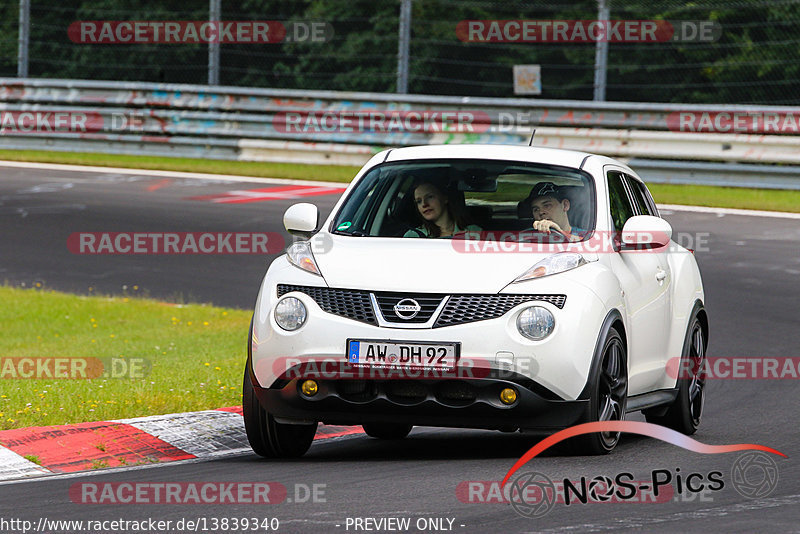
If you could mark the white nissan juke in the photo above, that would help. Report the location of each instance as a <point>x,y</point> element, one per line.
<point>477,286</point>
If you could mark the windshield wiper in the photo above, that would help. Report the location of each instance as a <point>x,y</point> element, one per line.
<point>355,233</point>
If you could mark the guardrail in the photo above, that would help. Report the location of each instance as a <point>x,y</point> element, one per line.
<point>256,125</point>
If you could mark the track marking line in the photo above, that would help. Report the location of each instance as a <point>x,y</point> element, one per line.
<point>730,211</point>
<point>168,174</point>
<point>268,193</point>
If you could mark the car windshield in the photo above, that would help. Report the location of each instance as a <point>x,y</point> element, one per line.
<point>485,199</point>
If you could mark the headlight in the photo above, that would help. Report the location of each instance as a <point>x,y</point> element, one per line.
<point>557,263</point>
<point>300,255</point>
<point>536,323</point>
<point>290,313</point>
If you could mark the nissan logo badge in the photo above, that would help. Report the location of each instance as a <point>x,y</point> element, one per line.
<point>407,309</point>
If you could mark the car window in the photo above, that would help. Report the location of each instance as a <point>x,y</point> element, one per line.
<point>358,208</point>
<point>491,196</point>
<point>648,198</point>
<point>620,205</point>
<point>638,193</point>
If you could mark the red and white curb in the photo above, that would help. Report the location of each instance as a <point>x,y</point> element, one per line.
<point>37,451</point>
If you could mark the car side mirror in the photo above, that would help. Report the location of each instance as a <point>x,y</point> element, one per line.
<point>301,219</point>
<point>646,231</point>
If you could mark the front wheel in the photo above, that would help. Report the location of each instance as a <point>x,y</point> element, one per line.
<point>386,430</point>
<point>685,412</point>
<point>608,399</point>
<point>267,437</point>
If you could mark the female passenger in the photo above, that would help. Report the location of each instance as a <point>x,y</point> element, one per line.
<point>440,216</point>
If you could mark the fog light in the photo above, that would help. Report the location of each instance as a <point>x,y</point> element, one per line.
<point>508,396</point>
<point>309,388</point>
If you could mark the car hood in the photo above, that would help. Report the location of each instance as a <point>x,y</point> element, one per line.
<point>424,265</point>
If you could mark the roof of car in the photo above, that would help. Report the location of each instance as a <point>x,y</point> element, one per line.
<point>552,156</point>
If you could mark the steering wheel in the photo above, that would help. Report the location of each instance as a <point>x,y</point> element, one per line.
<point>534,230</point>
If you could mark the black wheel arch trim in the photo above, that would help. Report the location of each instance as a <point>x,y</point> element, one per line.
<point>614,316</point>
<point>699,311</point>
<point>249,363</point>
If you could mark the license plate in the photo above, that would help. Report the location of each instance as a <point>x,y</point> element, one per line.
<point>407,354</point>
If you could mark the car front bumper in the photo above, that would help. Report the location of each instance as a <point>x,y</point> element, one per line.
<point>446,402</point>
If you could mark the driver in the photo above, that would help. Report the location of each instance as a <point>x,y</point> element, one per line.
<point>549,208</point>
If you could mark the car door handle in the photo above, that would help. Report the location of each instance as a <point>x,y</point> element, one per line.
<point>661,274</point>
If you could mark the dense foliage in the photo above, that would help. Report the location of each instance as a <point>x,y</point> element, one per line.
<point>754,61</point>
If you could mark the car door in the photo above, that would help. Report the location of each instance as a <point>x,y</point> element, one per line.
<point>645,279</point>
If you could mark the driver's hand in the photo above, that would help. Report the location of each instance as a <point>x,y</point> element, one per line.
<point>545,225</point>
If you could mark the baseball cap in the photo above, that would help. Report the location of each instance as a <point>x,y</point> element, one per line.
<point>545,189</point>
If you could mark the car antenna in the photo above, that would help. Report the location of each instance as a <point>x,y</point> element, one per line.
<point>532,134</point>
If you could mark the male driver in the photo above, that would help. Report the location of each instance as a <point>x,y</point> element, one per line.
<point>549,207</point>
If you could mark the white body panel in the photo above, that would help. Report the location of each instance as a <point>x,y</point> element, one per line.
<point>560,362</point>
<point>654,312</point>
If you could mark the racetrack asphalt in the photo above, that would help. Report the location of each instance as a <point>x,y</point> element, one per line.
<point>750,267</point>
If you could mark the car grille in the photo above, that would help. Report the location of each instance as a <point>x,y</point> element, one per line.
<point>355,304</point>
<point>469,308</point>
<point>427,303</point>
<point>350,303</point>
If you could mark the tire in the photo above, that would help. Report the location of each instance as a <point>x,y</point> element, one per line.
<point>267,437</point>
<point>685,412</point>
<point>609,397</point>
<point>386,430</point>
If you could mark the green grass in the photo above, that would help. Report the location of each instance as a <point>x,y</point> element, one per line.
<point>194,356</point>
<point>324,173</point>
<point>726,197</point>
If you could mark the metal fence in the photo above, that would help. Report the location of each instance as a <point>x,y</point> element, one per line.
<point>427,47</point>
<point>253,124</point>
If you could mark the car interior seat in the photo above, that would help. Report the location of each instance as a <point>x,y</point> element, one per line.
<point>402,215</point>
